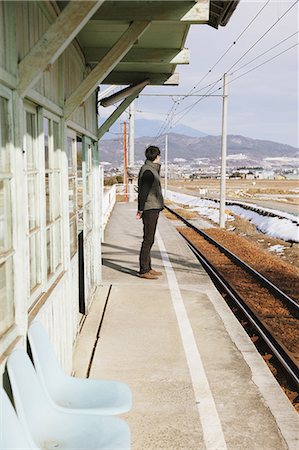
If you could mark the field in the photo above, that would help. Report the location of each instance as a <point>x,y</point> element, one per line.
<point>276,194</point>
<point>282,195</point>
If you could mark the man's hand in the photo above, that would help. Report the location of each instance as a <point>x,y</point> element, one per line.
<point>138,215</point>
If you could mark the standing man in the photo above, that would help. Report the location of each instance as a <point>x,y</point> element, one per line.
<point>150,203</point>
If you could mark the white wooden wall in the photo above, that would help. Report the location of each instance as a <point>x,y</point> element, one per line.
<point>22,23</point>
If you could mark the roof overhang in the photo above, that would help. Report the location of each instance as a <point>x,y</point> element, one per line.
<point>156,53</point>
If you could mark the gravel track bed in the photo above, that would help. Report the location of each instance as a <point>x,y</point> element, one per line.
<point>271,310</point>
<point>279,272</point>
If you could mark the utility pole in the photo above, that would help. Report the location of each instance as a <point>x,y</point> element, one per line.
<point>131,134</point>
<point>223,155</point>
<point>125,162</point>
<point>166,165</point>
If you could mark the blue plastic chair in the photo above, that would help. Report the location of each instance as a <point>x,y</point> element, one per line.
<point>49,425</point>
<point>84,396</point>
<point>12,435</point>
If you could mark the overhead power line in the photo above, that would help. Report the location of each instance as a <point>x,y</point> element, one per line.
<point>263,35</point>
<point>264,53</point>
<point>236,78</point>
<point>265,62</point>
<point>174,107</point>
<point>231,46</point>
<point>240,35</point>
<point>172,112</point>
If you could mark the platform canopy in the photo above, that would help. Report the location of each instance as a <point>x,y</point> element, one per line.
<point>144,40</point>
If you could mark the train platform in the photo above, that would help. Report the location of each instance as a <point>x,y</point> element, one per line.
<point>196,378</point>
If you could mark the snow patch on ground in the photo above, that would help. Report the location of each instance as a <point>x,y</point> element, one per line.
<point>277,248</point>
<point>285,228</point>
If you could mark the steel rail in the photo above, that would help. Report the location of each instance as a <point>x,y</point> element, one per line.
<point>278,349</point>
<point>288,301</point>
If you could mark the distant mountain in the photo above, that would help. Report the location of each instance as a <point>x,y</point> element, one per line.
<point>145,127</point>
<point>242,151</point>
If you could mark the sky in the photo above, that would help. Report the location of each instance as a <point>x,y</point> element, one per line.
<point>262,104</point>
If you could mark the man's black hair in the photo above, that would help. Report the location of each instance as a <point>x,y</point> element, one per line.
<point>152,152</point>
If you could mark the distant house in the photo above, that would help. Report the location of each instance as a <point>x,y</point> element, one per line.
<point>292,176</point>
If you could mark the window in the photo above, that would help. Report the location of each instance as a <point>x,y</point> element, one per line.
<point>80,218</point>
<point>33,188</point>
<point>43,165</point>
<point>6,245</point>
<point>52,195</point>
<point>72,183</point>
<point>88,188</point>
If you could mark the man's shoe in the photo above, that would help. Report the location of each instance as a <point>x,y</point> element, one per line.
<point>148,276</point>
<point>155,272</point>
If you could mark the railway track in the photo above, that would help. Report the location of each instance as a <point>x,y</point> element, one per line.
<point>273,314</point>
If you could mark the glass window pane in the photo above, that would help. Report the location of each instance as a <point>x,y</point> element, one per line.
<point>56,195</point>
<point>30,140</point>
<point>57,235</point>
<point>47,196</point>
<point>34,255</point>
<point>6,295</point>
<point>70,155</point>
<point>73,236</point>
<point>4,135</point>
<point>80,219</point>
<point>56,145</point>
<point>49,252</point>
<point>79,157</point>
<point>88,158</point>
<point>88,188</point>
<point>72,196</point>
<point>95,154</point>
<point>5,216</point>
<point>79,193</point>
<point>46,137</point>
<point>32,202</point>
<point>79,175</point>
<point>88,217</point>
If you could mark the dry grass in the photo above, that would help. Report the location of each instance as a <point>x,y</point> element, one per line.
<point>121,198</point>
<point>188,215</point>
<point>243,228</point>
<point>261,186</point>
<point>239,189</point>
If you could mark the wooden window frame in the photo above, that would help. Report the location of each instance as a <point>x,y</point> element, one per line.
<point>72,176</point>
<point>45,279</point>
<point>35,172</point>
<point>53,224</point>
<point>7,254</point>
<point>87,162</point>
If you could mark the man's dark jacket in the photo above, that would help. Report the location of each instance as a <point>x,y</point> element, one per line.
<point>149,187</point>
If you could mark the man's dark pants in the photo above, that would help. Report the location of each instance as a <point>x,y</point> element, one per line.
<point>149,219</point>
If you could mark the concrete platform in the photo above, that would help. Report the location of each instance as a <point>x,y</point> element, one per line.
<point>197,380</point>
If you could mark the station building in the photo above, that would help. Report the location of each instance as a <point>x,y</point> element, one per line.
<point>53,57</point>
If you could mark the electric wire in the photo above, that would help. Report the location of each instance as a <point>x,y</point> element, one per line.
<point>238,77</point>
<point>167,123</point>
<point>264,53</point>
<point>171,113</point>
<point>232,45</point>
<point>190,107</point>
<point>263,35</point>
<point>265,62</point>
<point>177,103</point>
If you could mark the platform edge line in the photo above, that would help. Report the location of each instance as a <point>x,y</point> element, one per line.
<point>211,426</point>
